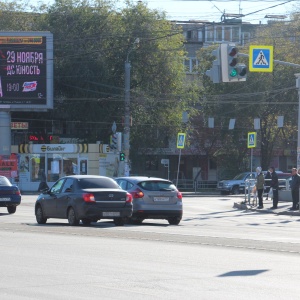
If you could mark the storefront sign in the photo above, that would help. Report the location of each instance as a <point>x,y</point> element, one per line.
<point>54,148</point>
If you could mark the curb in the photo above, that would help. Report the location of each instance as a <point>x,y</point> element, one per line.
<point>279,211</point>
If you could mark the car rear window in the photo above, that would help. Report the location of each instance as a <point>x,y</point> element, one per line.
<point>157,185</point>
<point>4,181</point>
<point>97,183</point>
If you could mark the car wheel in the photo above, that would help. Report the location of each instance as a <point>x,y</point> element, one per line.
<point>119,221</point>
<point>86,221</point>
<point>39,215</point>
<point>174,221</point>
<point>235,190</point>
<point>72,219</point>
<point>11,209</point>
<point>136,221</point>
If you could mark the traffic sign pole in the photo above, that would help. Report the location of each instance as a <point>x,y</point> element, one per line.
<point>180,145</point>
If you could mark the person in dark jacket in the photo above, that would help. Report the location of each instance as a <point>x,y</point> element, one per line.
<point>260,180</point>
<point>295,184</point>
<point>274,186</point>
<point>43,184</point>
<point>268,183</point>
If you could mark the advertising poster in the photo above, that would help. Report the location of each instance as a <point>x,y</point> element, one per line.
<point>108,165</point>
<point>9,165</point>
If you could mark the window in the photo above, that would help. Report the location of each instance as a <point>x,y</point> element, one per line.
<point>155,185</point>
<point>236,34</point>
<point>191,65</point>
<point>36,166</point>
<point>68,185</point>
<point>210,34</point>
<point>219,33</point>
<point>245,38</point>
<point>227,34</point>
<point>57,186</point>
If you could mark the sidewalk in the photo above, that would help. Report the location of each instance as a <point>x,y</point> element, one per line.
<point>239,203</point>
<point>283,208</point>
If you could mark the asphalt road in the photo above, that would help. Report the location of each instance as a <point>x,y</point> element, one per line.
<point>217,252</point>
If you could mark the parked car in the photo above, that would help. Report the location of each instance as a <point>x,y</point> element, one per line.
<point>84,197</point>
<point>153,198</point>
<point>10,195</point>
<point>237,184</point>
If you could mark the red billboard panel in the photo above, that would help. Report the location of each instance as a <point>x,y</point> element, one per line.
<point>9,165</point>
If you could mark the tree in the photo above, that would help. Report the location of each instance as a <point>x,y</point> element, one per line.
<point>264,96</point>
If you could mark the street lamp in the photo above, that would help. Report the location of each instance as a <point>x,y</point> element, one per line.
<point>127,109</point>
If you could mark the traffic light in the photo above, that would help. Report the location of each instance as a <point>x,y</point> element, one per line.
<point>113,141</point>
<point>215,72</point>
<point>116,141</point>
<point>232,70</point>
<point>122,156</point>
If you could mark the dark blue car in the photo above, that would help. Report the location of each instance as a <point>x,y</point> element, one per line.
<point>10,195</point>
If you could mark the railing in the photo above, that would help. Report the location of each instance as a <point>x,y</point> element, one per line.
<point>283,184</point>
<point>196,186</point>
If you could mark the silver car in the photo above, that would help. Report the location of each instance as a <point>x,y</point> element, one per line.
<point>153,198</point>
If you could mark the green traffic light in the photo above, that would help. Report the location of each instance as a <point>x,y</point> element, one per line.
<point>233,73</point>
<point>122,156</point>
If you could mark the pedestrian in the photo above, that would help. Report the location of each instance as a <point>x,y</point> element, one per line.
<point>295,184</point>
<point>274,186</point>
<point>43,184</point>
<point>268,183</point>
<point>260,180</point>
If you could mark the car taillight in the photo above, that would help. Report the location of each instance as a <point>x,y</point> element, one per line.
<point>137,194</point>
<point>128,198</point>
<point>88,198</point>
<point>179,195</point>
<point>17,192</point>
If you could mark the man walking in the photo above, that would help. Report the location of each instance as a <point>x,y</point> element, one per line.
<point>274,186</point>
<point>295,183</point>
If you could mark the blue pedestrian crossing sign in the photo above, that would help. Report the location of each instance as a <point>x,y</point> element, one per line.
<point>260,58</point>
<point>251,139</point>
<point>180,140</point>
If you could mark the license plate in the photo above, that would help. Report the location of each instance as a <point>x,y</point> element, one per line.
<point>161,199</point>
<point>4,199</point>
<point>111,214</point>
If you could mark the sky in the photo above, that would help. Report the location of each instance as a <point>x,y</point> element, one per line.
<point>182,10</point>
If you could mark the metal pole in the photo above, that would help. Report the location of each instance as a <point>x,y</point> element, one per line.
<point>5,132</point>
<point>127,117</point>
<point>298,140</point>
<point>178,168</point>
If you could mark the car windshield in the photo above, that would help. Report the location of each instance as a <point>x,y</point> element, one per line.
<point>155,185</point>
<point>4,181</point>
<point>97,183</point>
<point>239,176</point>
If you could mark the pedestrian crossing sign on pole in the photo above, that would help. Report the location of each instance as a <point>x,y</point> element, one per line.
<point>180,140</point>
<point>251,139</point>
<point>261,58</point>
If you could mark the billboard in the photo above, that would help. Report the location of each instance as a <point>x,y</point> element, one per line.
<point>26,70</point>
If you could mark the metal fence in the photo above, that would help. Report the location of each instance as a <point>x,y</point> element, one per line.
<point>196,186</point>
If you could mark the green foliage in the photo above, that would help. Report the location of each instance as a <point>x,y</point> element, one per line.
<point>263,95</point>
<point>92,41</point>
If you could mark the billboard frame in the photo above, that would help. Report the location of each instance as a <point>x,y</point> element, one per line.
<point>49,72</point>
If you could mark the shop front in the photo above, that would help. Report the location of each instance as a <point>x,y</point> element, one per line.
<point>37,161</point>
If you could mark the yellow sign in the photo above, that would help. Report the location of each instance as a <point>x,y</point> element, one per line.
<point>251,139</point>
<point>180,140</point>
<point>260,58</point>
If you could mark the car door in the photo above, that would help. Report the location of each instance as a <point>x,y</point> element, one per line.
<point>63,199</point>
<point>51,197</point>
